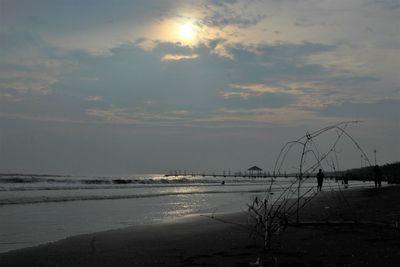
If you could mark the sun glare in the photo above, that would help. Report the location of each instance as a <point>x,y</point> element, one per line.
<point>187,31</point>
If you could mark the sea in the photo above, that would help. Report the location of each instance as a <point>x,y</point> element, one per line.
<point>37,208</point>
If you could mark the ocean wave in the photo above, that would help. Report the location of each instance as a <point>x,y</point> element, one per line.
<point>203,189</point>
<point>25,183</point>
<point>47,199</point>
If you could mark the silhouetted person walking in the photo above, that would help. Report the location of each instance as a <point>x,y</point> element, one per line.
<point>377,176</point>
<point>345,180</point>
<point>320,179</point>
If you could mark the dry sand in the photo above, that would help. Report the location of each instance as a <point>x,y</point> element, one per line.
<point>201,241</point>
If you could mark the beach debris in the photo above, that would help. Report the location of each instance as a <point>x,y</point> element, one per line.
<point>271,213</point>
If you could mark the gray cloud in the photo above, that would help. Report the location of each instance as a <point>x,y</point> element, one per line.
<point>226,18</point>
<point>28,63</point>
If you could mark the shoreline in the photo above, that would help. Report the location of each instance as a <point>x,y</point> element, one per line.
<point>30,235</point>
<point>199,240</point>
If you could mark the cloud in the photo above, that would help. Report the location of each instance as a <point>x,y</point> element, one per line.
<point>28,64</point>
<point>55,106</point>
<point>115,115</point>
<point>220,48</point>
<point>252,71</point>
<point>40,118</point>
<point>258,76</point>
<point>232,13</point>
<point>252,92</point>
<point>32,80</point>
<point>132,116</point>
<point>238,22</point>
<point>95,27</point>
<point>177,57</point>
<point>244,64</point>
<point>6,96</point>
<point>257,88</point>
<point>274,115</point>
<point>97,42</point>
<point>94,98</point>
<point>283,115</point>
<point>147,24</point>
<point>289,94</point>
<point>181,112</point>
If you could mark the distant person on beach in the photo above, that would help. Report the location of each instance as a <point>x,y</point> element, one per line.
<point>346,180</point>
<point>320,179</point>
<point>377,176</point>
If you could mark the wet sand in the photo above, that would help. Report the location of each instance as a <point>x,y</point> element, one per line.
<point>201,241</point>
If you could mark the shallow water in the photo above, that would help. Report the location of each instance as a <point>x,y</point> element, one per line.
<point>46,209</point>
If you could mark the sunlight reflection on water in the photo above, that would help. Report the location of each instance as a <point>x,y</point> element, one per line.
<point>30,224</point>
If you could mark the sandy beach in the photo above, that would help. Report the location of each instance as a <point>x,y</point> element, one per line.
<point>201,241</point>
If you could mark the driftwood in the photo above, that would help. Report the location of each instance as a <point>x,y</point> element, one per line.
<point>270,215</point>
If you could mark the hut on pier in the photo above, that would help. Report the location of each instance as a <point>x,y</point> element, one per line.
<point>255,171</point>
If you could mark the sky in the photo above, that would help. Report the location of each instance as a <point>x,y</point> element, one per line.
<point>149,86</point>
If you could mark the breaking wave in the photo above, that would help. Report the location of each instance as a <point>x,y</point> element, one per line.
<point>48,182</point>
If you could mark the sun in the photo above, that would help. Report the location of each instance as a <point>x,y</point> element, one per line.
<point>187,31</point>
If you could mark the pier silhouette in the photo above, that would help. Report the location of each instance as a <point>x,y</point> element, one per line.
<point>215,175</point>
<point>225,174</point>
